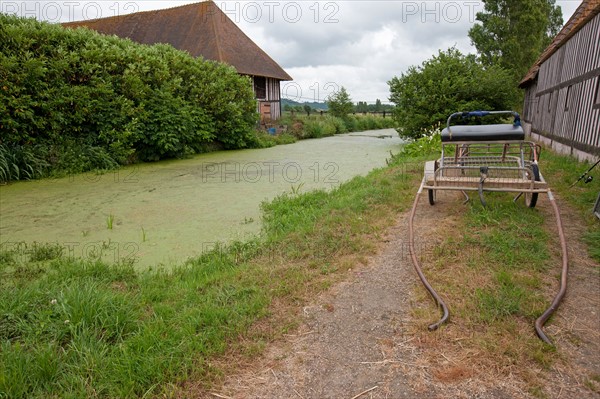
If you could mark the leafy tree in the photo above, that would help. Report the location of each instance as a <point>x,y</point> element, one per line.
<point>513,33</point>
<point>339,103</point>
<point>307,109</point>
<point>377,107</point>
<point>449,82</point>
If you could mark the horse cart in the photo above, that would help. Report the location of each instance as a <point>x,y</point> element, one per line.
<point>487,158</point>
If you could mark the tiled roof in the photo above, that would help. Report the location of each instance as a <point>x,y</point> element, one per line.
<point>201,29</point>
<point>587,10</point>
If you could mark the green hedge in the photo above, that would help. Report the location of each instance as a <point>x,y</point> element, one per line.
<point>112,97</point>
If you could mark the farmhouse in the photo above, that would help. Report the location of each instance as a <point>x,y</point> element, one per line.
<point>202,29</point>
<point>562,89</point>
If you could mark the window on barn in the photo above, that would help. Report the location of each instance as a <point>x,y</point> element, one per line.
<point>550,103</point>
<point>260,87</point>
<point>597,99</point>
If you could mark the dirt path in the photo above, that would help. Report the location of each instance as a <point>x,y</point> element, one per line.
<point>357,340</point>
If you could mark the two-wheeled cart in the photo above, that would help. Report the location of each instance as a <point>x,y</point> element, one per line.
<point>487,158</point>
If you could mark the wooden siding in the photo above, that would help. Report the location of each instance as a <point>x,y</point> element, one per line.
<point>273,99</point>
<point>560,104</point>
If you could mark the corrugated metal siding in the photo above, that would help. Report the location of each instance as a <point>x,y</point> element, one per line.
<point>560,105</point>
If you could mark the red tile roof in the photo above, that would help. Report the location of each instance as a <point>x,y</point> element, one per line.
<point>201,29</point>
<point>587,10</point>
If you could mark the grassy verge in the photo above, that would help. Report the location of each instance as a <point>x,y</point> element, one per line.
<point>70,328</point>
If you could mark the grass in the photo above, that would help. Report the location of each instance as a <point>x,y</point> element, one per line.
<point>75,328</point>
<point>564,171</point>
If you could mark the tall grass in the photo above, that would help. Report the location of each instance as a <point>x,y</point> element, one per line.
<point>20,163</point>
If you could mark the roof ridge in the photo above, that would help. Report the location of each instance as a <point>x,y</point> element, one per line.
<point>214,29</point>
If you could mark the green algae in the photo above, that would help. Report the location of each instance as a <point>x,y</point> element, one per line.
<point>165,212</point>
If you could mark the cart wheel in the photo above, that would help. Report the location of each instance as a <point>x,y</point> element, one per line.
<point>531,198</point>
<point>431,192</point>
<point>431,195</point>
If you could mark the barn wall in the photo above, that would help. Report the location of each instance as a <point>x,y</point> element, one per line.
<point>270,107</point>
<point>560,105</point>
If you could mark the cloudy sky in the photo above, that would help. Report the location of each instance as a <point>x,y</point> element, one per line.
<point>323,45</point>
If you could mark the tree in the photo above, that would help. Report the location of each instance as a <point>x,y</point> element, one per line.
<point>339,103</point>
<point>449,82</point>
<point>377,105</point>
<point>513,33</point>
<point>361,107</point>
<point>307,109</point>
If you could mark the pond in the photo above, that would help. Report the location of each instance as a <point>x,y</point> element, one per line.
<point>166,212</point>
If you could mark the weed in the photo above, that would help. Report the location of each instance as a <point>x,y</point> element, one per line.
<point>296,189</point>
<point>109,221</point>
<point>143,235</point>
<point>43,252</point>
<point>593,383</point>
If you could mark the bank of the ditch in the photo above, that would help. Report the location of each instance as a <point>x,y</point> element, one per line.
<point>70,328</point>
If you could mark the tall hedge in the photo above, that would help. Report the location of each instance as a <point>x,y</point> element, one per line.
<point>65,90</point>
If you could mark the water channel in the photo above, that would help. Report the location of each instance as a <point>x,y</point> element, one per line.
<point>166,212</point>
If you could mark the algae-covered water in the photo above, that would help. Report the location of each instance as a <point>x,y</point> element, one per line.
<point>166,212</point>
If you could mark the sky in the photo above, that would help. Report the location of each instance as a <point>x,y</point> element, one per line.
<point>323,45</point>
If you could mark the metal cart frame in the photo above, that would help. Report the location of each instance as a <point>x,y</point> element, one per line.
<point>486,158</point>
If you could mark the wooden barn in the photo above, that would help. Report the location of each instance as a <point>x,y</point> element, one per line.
<point>202,29</point>
<point>562,89</point>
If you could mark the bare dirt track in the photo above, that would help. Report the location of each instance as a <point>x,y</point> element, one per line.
<point>358,340</point>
